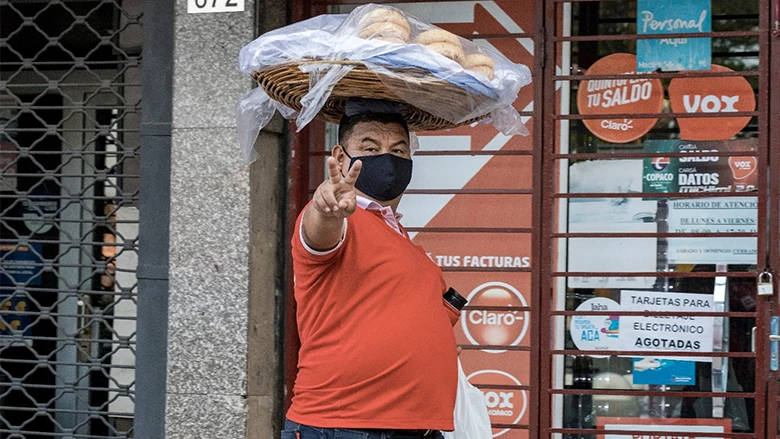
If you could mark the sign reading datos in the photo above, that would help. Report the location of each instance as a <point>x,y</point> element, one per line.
<point>700,172</point>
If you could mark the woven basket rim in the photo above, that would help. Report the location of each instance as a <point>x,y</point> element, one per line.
<point>286,83</point>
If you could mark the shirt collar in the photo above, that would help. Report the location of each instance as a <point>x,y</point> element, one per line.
<point>366,204</point>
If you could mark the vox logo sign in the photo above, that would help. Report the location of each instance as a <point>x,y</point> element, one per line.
<point>710,103</point>
<point>715,95</point>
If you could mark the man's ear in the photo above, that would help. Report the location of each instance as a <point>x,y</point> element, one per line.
<point>338,153</point>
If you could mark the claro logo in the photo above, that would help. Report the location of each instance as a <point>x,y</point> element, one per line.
<point>505,406</point>
<point>491,327</point>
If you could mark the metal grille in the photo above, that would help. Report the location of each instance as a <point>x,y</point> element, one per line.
<point>70,92</point>
<point>590,389</point>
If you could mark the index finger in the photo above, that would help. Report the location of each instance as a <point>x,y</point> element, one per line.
<point>334,173</point>
<point>353,173</point>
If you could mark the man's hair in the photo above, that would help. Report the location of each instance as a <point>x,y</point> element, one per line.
<point>347,123</point>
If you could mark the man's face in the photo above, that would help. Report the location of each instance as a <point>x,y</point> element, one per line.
<point>374,138</point>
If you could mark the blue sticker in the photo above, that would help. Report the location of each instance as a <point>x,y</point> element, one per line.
<point>14,315</point>
<point>21,263</point>
<point>673,17</point>
<point>664,372</point>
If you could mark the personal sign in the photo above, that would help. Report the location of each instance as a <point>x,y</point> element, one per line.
<point>673,17</point>
<point>619,97</point>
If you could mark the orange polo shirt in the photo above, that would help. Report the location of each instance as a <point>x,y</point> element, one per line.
<point>377,346</point>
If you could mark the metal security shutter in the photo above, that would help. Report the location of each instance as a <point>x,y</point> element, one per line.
<point>70,92</point>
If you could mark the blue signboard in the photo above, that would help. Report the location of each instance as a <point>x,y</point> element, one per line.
<point>664,372</point>
<point>673,17</point>
<point>21,264</point>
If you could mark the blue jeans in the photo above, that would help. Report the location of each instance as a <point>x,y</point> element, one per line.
<point>294,430</point>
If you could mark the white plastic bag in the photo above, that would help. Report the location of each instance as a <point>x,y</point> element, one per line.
<point>337,38</point>
<point>471,415</point>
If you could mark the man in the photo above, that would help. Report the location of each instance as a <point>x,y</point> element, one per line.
<point>378,357</point>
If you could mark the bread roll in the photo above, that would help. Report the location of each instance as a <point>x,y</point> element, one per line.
<point>451,51</point>
<point>485,70</point>
<point>479,59</point>
<point>385,30</point>
<point>481,63</point>
<point>438,36</point>
<point>384,16</point>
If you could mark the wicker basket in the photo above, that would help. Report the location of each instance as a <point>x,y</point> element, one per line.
<point>287,84</point>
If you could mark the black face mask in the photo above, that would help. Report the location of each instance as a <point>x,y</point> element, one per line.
<point>384,177</point>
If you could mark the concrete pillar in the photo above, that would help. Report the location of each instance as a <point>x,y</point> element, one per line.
<point>216,386</point>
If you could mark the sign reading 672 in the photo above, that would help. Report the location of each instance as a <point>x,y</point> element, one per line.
<point>202,6</point>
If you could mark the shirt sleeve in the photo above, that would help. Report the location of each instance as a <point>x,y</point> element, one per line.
<point>305,253</point>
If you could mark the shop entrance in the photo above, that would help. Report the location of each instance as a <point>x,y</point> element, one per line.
<point>638,218</point>
<point>660,183</point>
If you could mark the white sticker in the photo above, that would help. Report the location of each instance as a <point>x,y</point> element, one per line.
<point>205,6</point>
<point>667,333</point>
<point>596,332</point>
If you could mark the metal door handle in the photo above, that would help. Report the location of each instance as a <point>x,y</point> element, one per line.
<point>774,337</point>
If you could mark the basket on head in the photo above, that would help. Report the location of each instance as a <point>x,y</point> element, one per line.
<point>287,84</point>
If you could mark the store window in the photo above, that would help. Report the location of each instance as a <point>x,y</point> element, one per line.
<point>657,217</point>
<point>637,218</point>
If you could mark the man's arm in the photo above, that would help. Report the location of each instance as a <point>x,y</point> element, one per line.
<point>333,201</point>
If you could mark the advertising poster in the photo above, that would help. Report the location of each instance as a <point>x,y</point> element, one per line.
<point>610,215</point>
<point>673,17</point>
<point>701,173</point>
<point>12,315</point>
<point>21,264</point>
<point>596,332</point>
<point>667,333</point>
<point>612,332</point>
<point>719,96</point>
<point>652,428</point>
<point>459,231</point>
<point>709,215</point>
<point>664,372</point>
<point>619,96</point>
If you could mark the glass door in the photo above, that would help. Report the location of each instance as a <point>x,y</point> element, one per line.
<point>656,160</point>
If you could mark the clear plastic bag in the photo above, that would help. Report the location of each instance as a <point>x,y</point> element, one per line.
<point>471,415</point>
<point>490,91</point>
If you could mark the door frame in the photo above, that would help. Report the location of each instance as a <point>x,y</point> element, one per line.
<point>772,306</point>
